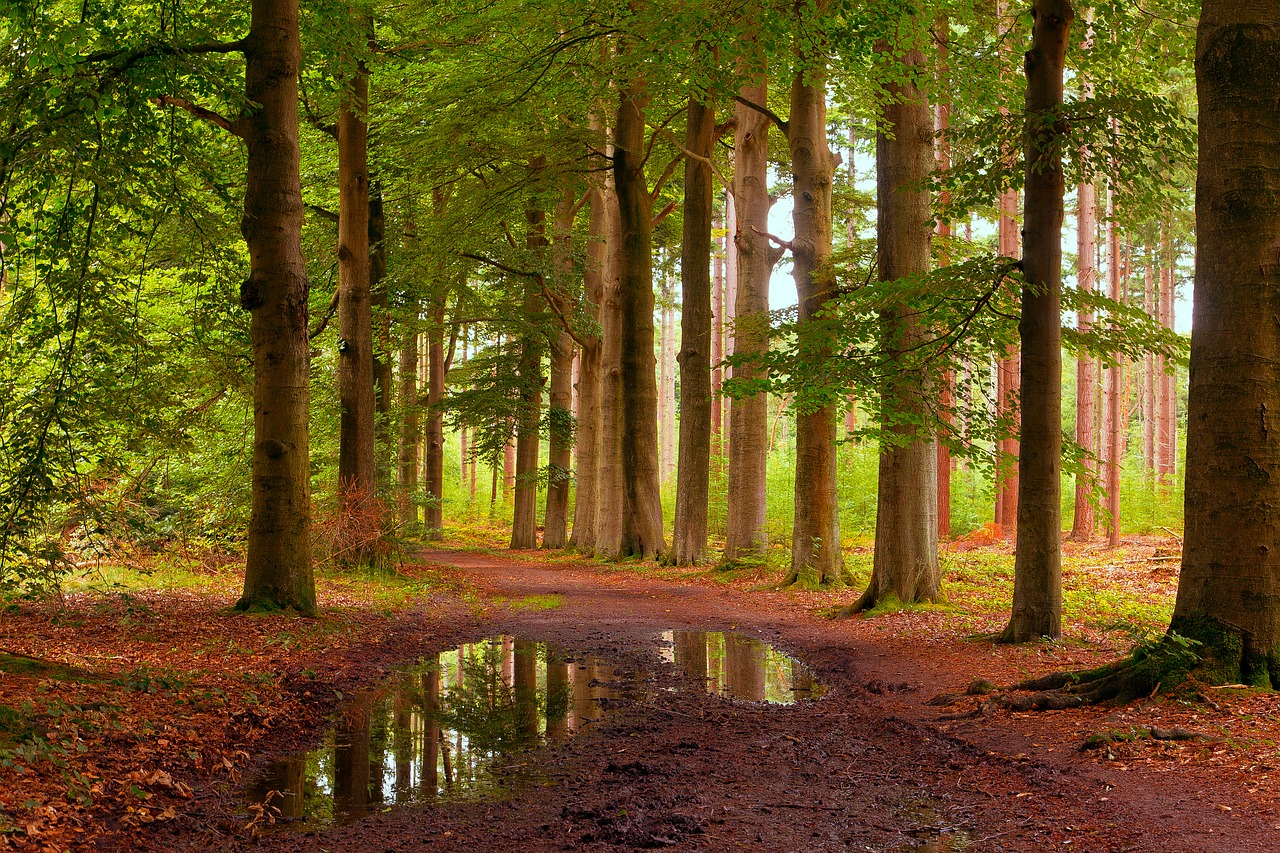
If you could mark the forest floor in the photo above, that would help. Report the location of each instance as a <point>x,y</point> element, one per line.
<point>162,704</point>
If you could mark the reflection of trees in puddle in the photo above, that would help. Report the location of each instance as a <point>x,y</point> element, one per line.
<point>443,727</point>
<point>740,667</point>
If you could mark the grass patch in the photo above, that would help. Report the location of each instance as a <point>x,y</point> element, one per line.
<point>537,602</point>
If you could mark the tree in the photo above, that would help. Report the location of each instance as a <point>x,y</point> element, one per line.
<point>1037,586</point>
<point>1230,562</point>
<point>905,563</point>
<point>278,570</point>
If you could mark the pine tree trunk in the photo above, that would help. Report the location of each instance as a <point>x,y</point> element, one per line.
<point>689,539</point>
<point>356,475</point>
<point>1226,593</point>
<point>749,264</point>
<point>278,569</point>
<point>433,461</point>
<point>1083,520</point>
<point>1037,585</point>
<point>589,379</point>
<point>642,501</point>
<point>816,558</point>
<point>524,524</point>
<point>905,561</point>
<point>560,445</point>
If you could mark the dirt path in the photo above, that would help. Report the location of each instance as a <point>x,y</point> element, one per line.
<point>869,767</point>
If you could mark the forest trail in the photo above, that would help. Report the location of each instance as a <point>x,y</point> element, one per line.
<point>868,767</point>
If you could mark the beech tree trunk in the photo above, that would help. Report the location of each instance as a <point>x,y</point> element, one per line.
<point>356,475</point>
<point>905,560</point>
<point>641,499</point>
<point>433,462</point>
<point>689,539</point>
<point>1037,585</point>
<point>1008,368</point>
<point>278,571</point>
<point>609,488</point>
<point>717,343</point>
<point>1083,520</point>
<point>816,558</point>
<point>751,262</point>
<point>1167,433</point>
<point>524,524</point>
<point>382,353</point>
<point>589,378</point>
<point>1113,391</point>
<point>1230,562</point>
<point>560,403</point>
<point>407,467</point>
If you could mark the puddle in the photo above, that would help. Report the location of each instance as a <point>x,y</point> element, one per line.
<point>460,724</point>
<point>740,667</point>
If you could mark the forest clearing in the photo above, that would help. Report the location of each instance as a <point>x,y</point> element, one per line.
<point>629,424</point>
<point>178,706</point>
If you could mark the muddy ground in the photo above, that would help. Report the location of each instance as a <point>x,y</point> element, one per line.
<point>871,766</point>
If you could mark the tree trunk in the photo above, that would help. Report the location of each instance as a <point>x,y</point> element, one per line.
<point>942,122</point>
<point>560,445</point>
<point>1168,418</point>
<point>356,476</point>
<point>1230,562</point>
<point>589,379</point>
<point>689,540</point>
<point>278,571</point>
<point>407,479</point>
<point>1083,520</point>
<point>816,558</point>
<point>748,266</point>
<point>609,488</point>
<point>1037,584</point>
<point>1113,392</point>
<point>641,500</point>
<point>433,463</point>
<point>1009,368</point>
<point>905,561</point>
<point>717,345</point>
<point>524,524</point>
<point>384,428</point>
<point>1149,383</point>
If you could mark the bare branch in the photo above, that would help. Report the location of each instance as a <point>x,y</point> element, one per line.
<point>328,315</point>
<point>663,213</point>
<point>236,127</point>
<point>784,126</point>
<point>322,212</point>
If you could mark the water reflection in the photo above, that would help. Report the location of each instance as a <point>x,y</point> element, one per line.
<point>740,667</point>
<point>443,727</point>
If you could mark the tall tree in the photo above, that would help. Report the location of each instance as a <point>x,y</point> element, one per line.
<point>1230,562</point>
<point>641,498</point>
<point>749,265</point>
<point>1083,520</point>
<point>689,537</point>
<point>905,563</point>
<point>524,527</point>
<point>278,570</point>
<point>1037,585</point>
<point>816,557</point>
<point>560,387</point>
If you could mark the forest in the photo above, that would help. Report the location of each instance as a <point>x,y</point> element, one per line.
<point>623,424</point>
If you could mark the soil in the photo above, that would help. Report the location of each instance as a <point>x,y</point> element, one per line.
<point>871,766</point>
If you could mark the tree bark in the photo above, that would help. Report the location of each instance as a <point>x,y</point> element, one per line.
<point>1167,380</point>
<point>1114,390</point>
<point>1084,518</point>
<point>942,123</point>
<point>751,262</point>
<point>356,474</point>
<point>689,539</point>
<point>816,557</point>
<point>609,476</point>
<point>717,344</point>
<point>407,478</point>
<point>1008,369</point>
<point>1230,560</point>
<point>589,379</point>
<point>278,571</point>
<point>1037,585</point>
<point>905,561</point>
<point>560,443</point>
<point>524,524</point>
<point>384,429</point>
<point>641,499</point>
<point>433,461</point>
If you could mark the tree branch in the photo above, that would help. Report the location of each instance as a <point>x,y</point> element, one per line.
<point>676,142</point>
<point>666,176</point>
<point>235,128</point>
<point>662,214</point>
<point>784,126</point>
<point>328,315</point>
<point>323,212</point>
<point>132,57</point>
